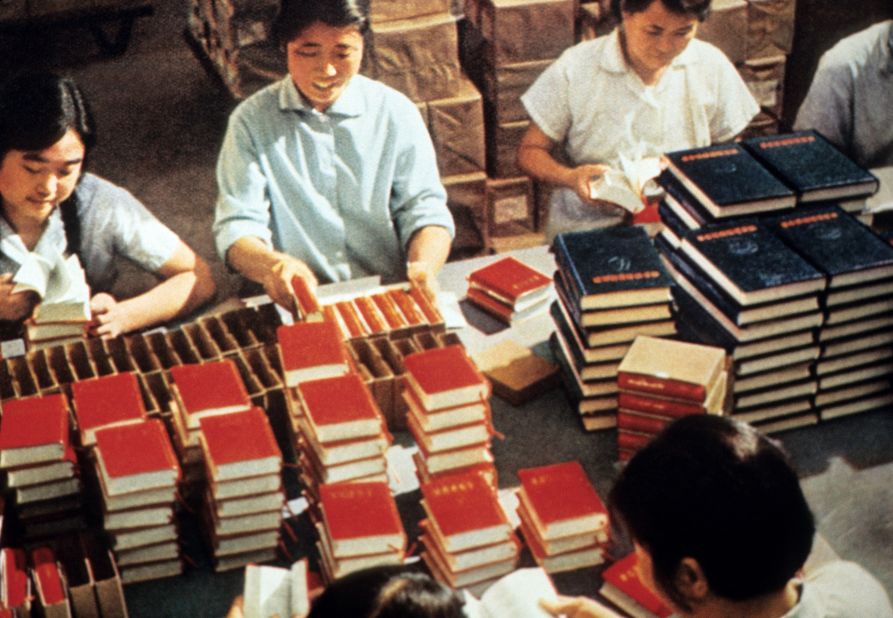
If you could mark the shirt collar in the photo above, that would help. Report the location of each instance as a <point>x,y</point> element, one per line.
<point>613,60</point>
<point>350,103</point>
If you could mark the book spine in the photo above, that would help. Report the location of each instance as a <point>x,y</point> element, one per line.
<point>406,306</point>
<point>387,308</point>
<point>370,314</point>
<point>631,440</point>
<point>351,319</point>
<point>306,302</point>
<point>627,421</point>
<point>425,303</point>
<point>659,407</point>
<point>677,389</point>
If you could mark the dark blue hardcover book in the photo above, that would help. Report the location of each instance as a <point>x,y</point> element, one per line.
<point>812,166</point>
<point>836,243</point>
<point>611,267</point>
<point>750,263</point>
<point>683,203</point>
<point>671,220</point>
<point>728,181</point>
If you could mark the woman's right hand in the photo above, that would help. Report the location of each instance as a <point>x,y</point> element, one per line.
<point>277,283</point>
<point>15,306</point>
<point>582,175</point>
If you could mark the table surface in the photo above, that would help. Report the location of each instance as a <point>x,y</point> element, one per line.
<point>846,467</point>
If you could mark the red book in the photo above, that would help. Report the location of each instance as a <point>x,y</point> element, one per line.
<point>136,457</point>
<point>632,440</point>
<point>509,280</point>
<point>387,307</point>
<point>15,586</point>
<point>306,304</point>
<point>214,387</point>
<point>671,408</point>
<point>670,368</point>
<point>239,444</point>
<point>445,377</point>
<point>623,587</point>
<point>311,350</point>
<point>47,577</point>
<point>640,423</point>
<point>495,307</point>
<point>106,400</point>
<point>424,301</point>
<point>464,511</point>
<point>361,518</point>
<point>340,408</point>
<point>561,500</point>
<point>371,315</point>
<point>351,318</point>
<point>33,430</point>
<point>407,306</point>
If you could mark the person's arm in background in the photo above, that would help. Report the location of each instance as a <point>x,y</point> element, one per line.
<point>535,159</point>
<point>828,106</point>
<point>187,284</point>
<point>428,251</point>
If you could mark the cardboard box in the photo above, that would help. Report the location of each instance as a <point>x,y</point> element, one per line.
<point>511,208</point>
<point>456,125</point>
<point>770,28</point>
<point>522,30</point>
<point>395,10</point>
<point>503,140</point>
<point>726,27</point>
<point>419,57</point>
<point>467,201</point>
<point>503,86</point>
<point>765,80</point>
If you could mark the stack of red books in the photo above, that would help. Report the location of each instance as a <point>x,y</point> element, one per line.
<point>359,527</point>
<point>509,290</point>
<point>467,538</point>
<point>342,433</point>
<point>244,500</point>
<point>138,475</point>
<point>310,351</point>
<point>624,589</point>
<point>448,411</point>
<point>661,380</point>
<point>40,464</point>
<point>563,519</point>
<point>106,400</point>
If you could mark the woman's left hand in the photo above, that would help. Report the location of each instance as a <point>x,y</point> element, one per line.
<point>110,318</point>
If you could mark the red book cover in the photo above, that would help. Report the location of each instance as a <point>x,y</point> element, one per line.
<point>239,437</point>
<point>356,510</point>
<point>496,308</point>
<point>664,387</point>
<point>14,571</point>
<point>310,344</point>
<point>136,448</point>
<point>622,577</point>
<point>351,318</point>
<point>34,421</point>
<point>426,304</point>
<point>560,492</point>
<point>214,385</point>
<point>509,279</point>
<point>387,307</point>
<point>670,408</point>
<point>461,503</point>
<point>342,399</point>
<point>443,377</point>
<point>632,440</point>
<point>407,306</point>
<point>371,314</point>
<point>640,423</point>
<point>305,300</point>
<point>107,399</point>
<point>47,576</point>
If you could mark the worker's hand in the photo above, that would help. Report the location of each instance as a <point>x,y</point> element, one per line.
<point>580,178</point>
<point>577,607</point>
<point>277,284</point>
<point>110,317</point>
<point>15,306</point>
<point>422,275</point>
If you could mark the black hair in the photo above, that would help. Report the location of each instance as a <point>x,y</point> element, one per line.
<point>387,592</point>
<point>718,491</point>
<point>295,16</point>
<point>36,110</point>
<point>696,8</point>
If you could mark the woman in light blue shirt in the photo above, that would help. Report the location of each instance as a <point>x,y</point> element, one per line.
<point>327,174</point>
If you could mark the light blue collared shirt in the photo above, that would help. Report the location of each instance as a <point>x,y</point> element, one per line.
<point>344,190</point>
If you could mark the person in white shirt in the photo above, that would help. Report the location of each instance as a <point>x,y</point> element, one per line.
<point>645,89</point>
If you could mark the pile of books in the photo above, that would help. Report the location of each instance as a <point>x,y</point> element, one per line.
<point>622,587</point>
<point>467,539</point>
<point>138,491</point>
<point>310,351</point>
<point>358,526</point>
<point>509,290</point>
<point>661,380</point>
<point>611,287</point>
<point>40,466</point>
<point>741,288</point>
<point>342,433</point>
<point>563,519</point>
<point>243,510</point>
<point>448,411</point>
<point>855,363</point>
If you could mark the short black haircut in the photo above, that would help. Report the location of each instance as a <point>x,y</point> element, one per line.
<point>697,8</point>
<point>297,15</point>
<point>718,491</point>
